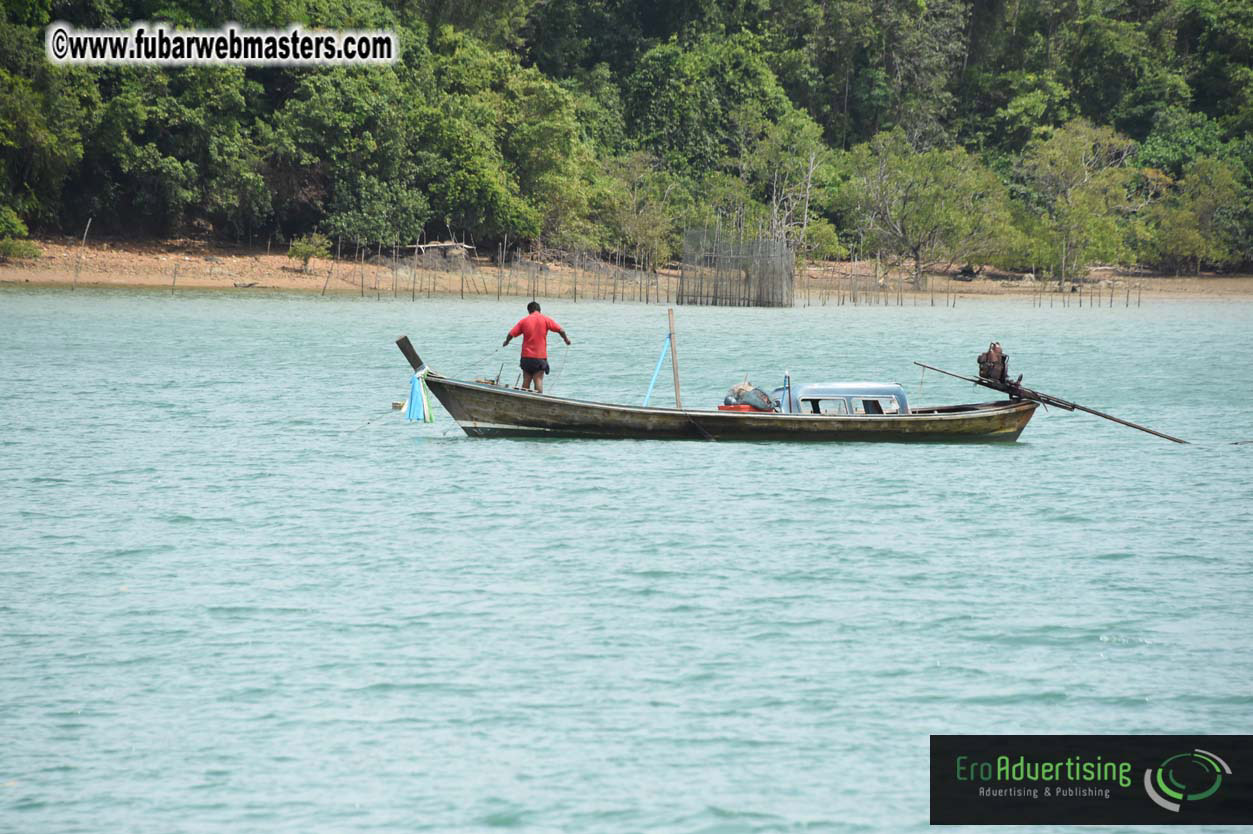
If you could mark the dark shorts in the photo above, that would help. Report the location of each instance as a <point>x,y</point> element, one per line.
<point>534,366</point>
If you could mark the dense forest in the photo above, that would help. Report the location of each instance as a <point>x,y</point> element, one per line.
<point>1030,134</point>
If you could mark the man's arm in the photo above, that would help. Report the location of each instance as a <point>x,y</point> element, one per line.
<point>552,325</point>
<point>515,331</point>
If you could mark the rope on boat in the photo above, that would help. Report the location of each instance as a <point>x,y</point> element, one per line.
<point>565,355</point>
<point>665,346</point>
<point>373,420</point>
<point>479,362</point>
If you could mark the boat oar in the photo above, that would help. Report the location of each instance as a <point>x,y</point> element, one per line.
<point>1016,390</point>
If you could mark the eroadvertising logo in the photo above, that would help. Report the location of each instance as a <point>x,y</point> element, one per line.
<point>1083,780</point>
<point>1194,776</point>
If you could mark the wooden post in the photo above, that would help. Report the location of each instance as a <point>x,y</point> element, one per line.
<point>674,362</point>
<point>339,241</point>
<point>79,263</point>
<point>174,278</point>
<point>361,268</point>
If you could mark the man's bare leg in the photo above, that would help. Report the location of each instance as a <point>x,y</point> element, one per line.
<point>527,376</point>
<point>539,382</point>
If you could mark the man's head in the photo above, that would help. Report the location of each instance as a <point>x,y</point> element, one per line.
<point>533,307</point>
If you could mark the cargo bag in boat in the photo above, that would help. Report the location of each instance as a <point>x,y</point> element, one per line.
<point>744,397</point>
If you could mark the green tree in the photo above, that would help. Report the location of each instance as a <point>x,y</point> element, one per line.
<point>512,119</point>
<point>497,22</point>
<point>638,204</point>
<point>1217,38</point>
<point>1178,137</point>
<point>12,232</point>
<point>1198,223</point>
<point>681,99</point>
<point>305,249</point>
<point>174,148</point>
<point>791,169</point>
<point>341,150</point>
<point>598,108</point>
<point>929,207</point>
<point>45,112</point>
<point>1079,183</point>
<point>10,224</point>
<point>1039,103</point>
<point>919,46</point>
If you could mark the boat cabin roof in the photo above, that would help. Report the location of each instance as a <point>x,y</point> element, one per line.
<point>849,389</point>
<point>844,390</point>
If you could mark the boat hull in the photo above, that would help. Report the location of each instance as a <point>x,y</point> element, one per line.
<point>486,410</point>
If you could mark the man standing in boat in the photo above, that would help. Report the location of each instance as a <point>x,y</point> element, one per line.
<point>533,329</point>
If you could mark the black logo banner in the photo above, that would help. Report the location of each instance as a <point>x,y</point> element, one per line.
<point>1086,780</point>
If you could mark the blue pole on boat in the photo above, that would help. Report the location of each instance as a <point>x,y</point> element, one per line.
<point>665,346</point>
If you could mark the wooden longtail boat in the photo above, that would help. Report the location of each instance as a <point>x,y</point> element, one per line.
<point>485,409</point>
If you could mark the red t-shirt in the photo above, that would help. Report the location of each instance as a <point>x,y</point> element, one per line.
<point>534,332</point>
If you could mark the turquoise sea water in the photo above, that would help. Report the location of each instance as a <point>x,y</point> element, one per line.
<point>237,593</point>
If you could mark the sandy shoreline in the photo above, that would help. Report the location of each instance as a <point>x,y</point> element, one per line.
<point>192,264</point>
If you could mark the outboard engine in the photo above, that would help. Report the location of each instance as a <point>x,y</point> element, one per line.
<point>994,364</point>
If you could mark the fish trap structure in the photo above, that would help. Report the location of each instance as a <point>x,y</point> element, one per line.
<point>719,271</point>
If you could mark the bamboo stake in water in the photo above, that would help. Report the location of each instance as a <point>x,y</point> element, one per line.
<point>79,263</point>
<point>361,268</point>
<point>339,241</point>
<point>674,362</point>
